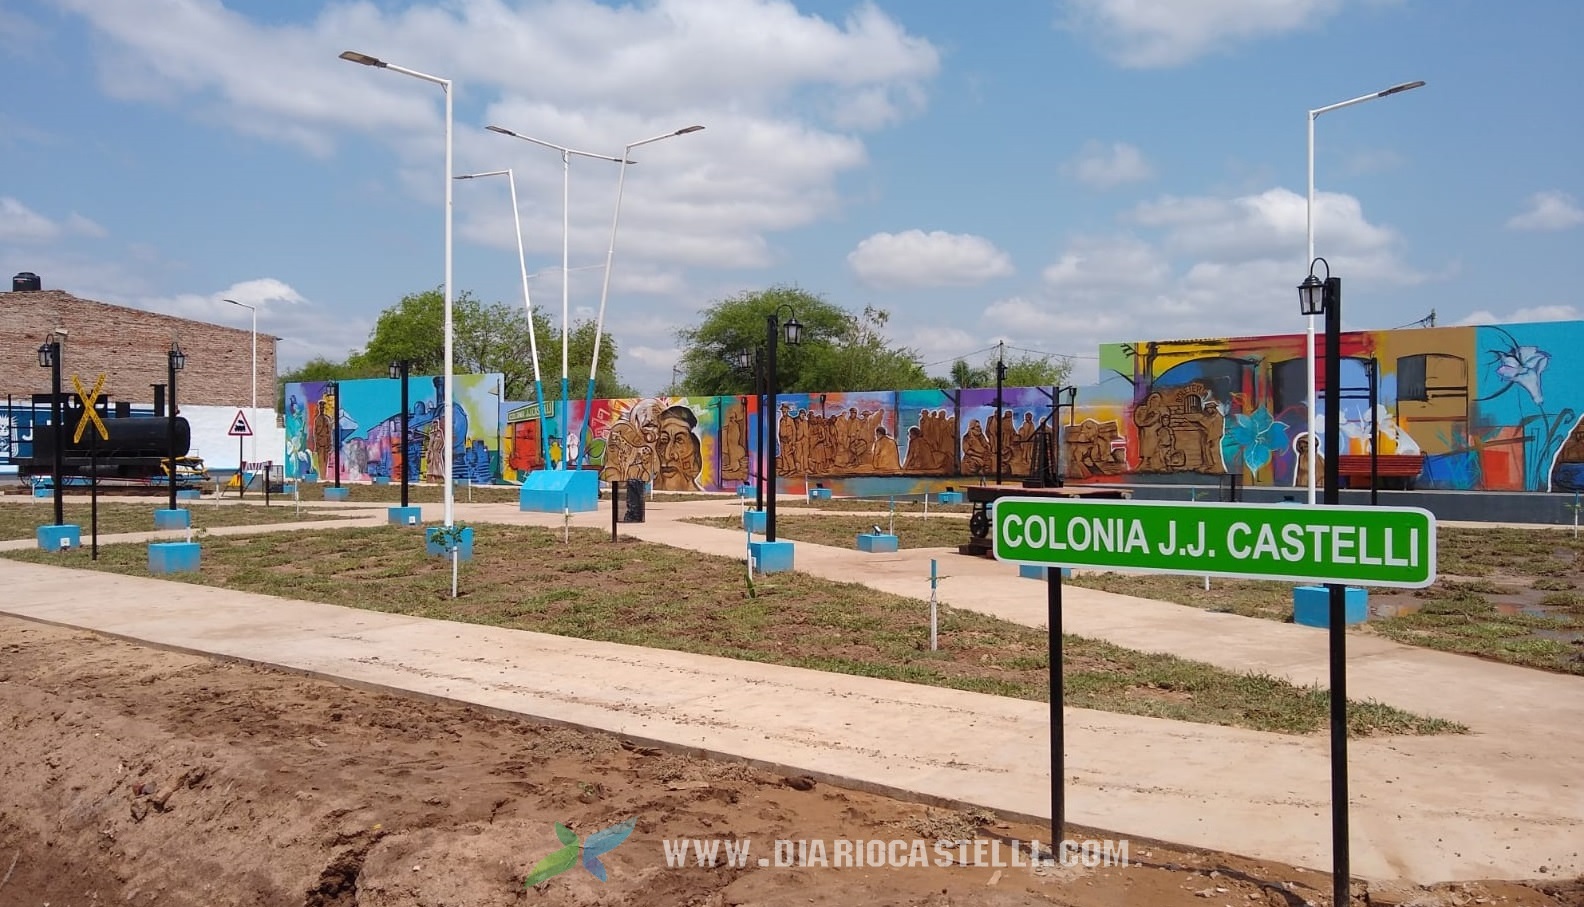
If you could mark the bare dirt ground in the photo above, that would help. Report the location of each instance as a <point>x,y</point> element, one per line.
<point>131,775</point>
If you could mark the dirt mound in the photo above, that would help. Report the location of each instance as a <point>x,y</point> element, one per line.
<point>138,776</point>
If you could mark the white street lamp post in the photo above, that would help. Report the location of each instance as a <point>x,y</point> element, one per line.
<point>1309,353</point>
<point>522,265</point>
<point>610,254</point>
<point>253,412</point>
<point>566,271</point>
<point>450,353</point>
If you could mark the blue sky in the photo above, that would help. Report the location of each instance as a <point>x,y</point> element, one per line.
<point>1056,174</point>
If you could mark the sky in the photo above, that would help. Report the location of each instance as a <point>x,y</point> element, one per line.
<point>1054,174</point>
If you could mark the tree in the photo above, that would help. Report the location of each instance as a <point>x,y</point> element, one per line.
<point>487,337</point>
<point>838,351</point>
<point>861,359</point>
<point>1025,370</point>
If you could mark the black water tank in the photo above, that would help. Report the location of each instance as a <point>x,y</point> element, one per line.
<point>26,282</point>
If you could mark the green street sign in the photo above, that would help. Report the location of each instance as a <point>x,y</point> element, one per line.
<point>1373,546</point>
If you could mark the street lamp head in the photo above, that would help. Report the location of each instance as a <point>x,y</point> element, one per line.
<point>396,369</point>
<point>687,129</point>
<point>794,332</point>
<point>1071,393</point>
<point>178,359</point>
<point>743,360</point>
<point>46,354</point>
<point>355,57</point>
<point>1311,293</point>
<point>1406,86</point>
<point>503,131</point>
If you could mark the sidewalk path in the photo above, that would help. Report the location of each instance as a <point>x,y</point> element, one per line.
<point>1498,803</point>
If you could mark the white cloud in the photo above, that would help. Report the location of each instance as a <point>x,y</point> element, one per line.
<point>1159,33</point>
<point>1551,210</point>
<point>914,259</point>
<point>1519,316</point>
<point>1199,266</point>
<point>1108,166</point>
<point>18,222</point>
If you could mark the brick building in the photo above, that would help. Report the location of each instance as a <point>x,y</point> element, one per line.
<point>129,346</point>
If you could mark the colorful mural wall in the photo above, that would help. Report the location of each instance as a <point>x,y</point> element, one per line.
<point>1472,408</point>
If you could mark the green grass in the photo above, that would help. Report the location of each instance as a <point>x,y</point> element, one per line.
<point>1481,570</point>
<point>841,531</point>
<point>875,505</point>
<point>21,519</point>
<point>653,595</point>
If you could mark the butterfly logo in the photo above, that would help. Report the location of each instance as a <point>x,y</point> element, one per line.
<point>595,846</point>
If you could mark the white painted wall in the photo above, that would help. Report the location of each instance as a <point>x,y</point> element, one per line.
<point>210,439</point>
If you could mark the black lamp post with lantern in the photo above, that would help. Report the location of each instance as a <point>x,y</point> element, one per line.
<point>794,335</point>
<point>1316,296</point>
<point>49,356</point>
<point>175,361</point>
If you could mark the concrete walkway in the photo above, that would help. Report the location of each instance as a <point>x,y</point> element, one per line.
<point>1500,802</point>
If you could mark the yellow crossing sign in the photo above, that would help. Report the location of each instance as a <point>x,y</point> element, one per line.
<point>90,415</point>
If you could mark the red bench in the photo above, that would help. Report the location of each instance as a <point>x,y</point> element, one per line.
<point>1393,470</point>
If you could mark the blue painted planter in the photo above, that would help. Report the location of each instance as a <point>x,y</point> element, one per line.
<point>745,491</point>
<point>43,491</point>
<point>332,493</point>
<point>754,521</point>
<point>172,519</point>
<point>1312,606</point>
<point>772,557</point>
<point>382,480</point>
<point>819,494</point>
<point>59,538</point>
<point>404,516</point>
<point>951,497</point>
<point>433,544</point>
<point>188,494</point>
<point>173,557</point>
<point>877,542</point>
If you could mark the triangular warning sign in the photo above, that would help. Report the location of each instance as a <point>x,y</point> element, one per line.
<point>240,427</point>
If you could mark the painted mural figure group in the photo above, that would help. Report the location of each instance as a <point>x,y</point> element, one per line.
<point>1017,445</point>
<point>655,443</point>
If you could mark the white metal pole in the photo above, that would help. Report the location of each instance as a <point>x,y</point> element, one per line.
<point>566,290</point>
<point>1309,351</point>
<point>450,345</point>
<point>1309,337</point>
<point>253,416</point>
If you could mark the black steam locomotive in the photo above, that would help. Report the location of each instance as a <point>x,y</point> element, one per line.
<point>134,455</point>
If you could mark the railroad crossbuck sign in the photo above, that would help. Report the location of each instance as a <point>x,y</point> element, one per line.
<point>1375,546</point>
<point>90,415</point>
<point>240,427</point>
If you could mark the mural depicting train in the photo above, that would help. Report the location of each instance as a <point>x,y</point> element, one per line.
<point>1465,408</point>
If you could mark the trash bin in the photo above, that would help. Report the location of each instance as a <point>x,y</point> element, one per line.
<point>634,493</point>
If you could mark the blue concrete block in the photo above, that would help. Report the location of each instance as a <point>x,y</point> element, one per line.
<point>754,521</point>
<point>1035,571</point>
<point>876,542</point>
<point>310,476</point>
<point>59,538</point>
<point>383,480</point>
<point>1312,605</point>
<point>745,491</point>
<point>172,519</point>
<point>43,491</point>
<point>950,497</point>
<point>173,557</point>
<point>404,516</point>
<point>559,490</point>
<point>189,494</point>
<point>433,544</point>
<point>771,557</point>
<point>819,494</point>
<point>332,493</point>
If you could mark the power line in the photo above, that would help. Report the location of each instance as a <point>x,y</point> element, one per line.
<point>1057,355</point>
<point>960,357</point>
